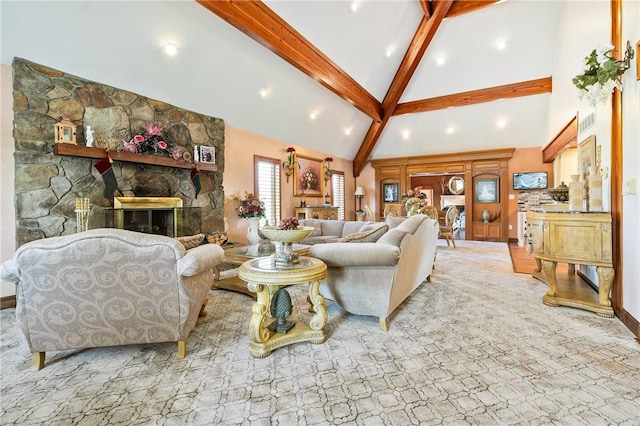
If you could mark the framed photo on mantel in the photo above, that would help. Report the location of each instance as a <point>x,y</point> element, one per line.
<point>207,154</point>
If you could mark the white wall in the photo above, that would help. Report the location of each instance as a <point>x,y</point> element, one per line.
<point>7,173</point>
<point>585,26</point>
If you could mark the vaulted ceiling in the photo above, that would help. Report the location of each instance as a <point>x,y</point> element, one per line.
<point>380,78</point>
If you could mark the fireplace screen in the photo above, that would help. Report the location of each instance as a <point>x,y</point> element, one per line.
<point>154,215</point>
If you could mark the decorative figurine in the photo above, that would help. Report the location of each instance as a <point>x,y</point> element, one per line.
<point>89,136</point>
<point>280,310</point>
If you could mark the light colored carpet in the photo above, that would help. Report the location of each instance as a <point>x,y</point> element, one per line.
<point>474,346</point>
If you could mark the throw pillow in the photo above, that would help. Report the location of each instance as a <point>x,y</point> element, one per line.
<point>392,237</point>
<point>368,234</point>
<point>191,241</point>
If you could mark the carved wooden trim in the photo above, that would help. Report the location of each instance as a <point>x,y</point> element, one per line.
<point>514,90</point>
<point>155,160</point>
<point>260,23</point>
<point>566,138</point>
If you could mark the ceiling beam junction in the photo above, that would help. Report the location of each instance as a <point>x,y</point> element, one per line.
<point>460,7</point>
<point>421,40</point>
<point>260,23</point>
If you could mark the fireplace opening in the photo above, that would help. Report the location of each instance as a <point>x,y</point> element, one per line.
<point>154,215</point>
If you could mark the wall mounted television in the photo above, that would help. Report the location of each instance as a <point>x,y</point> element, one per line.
<point>530,180</point>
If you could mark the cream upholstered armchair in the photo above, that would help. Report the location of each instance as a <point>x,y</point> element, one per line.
<point>109,287</point>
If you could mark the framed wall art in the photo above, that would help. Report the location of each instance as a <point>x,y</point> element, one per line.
<point>390,192</point>
<point>486,190</point>
<point>587,157</point>
<point>308,179</point>
<point>207,154</point>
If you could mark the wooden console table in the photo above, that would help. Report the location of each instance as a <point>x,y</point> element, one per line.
<point>582,238</point>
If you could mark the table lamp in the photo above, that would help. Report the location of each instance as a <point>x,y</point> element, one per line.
<point>359,194</point>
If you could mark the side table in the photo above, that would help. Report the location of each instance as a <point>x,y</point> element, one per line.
<point>261,276</point>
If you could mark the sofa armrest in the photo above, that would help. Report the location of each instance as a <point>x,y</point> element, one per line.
<point>363,254</point>
<point>200,259</point>
<point>8,271</point>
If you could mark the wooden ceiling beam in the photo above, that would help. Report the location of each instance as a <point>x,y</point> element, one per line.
<point>260,23</point>
<point>460,7</point>
<point>426,8</point>
<point>514,90</point>
<point>566,138</point>
<point>421,40</point>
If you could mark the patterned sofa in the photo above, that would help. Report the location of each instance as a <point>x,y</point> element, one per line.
<point>108,287</point>
<point>374,278</point>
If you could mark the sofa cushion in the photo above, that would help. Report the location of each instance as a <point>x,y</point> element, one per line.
<point>332,227</point>
<point>368,233</point>
<point>392,237</point>
<point>320,239</point>
<point>411,224</point>
<point>316,224</point>
<point>191,241</point>
<point>351,227</point>
<point>394,221</point>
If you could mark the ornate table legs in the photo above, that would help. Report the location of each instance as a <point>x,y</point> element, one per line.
<point>569,293</point>
<point>263,341</point>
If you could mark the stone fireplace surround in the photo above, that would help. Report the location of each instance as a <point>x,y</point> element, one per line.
<point>46,185</point>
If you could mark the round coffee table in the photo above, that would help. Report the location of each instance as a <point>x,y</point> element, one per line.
<point>261,276</point>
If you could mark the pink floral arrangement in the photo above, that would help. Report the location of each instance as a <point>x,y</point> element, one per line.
<point>288,224</point>
<point>150,141</point>
<point>249,206</point>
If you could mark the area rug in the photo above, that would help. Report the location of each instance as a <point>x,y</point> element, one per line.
<point>473,346</point>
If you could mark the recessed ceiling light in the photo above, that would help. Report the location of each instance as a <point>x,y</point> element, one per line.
<point>501,44</point>
<point>170,49</point>
<point>264,92</point>
<point>450,129</point>
<point>354,5</point>
<point>406,134</point>
<point>313,115</point>
<point>389,51</point>
<point>440,60</point>
<point>347,130</point>
<point>501,123</point>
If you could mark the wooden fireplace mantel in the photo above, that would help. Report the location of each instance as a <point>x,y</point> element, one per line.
<point>156,160</point>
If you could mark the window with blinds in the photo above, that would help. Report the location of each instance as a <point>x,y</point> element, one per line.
<point>267,187</point>
<point>337,189</point>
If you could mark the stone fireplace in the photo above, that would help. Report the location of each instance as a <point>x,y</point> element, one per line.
<point>47,183</point>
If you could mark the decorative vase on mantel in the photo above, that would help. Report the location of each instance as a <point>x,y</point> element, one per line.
<point>252,231</point>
